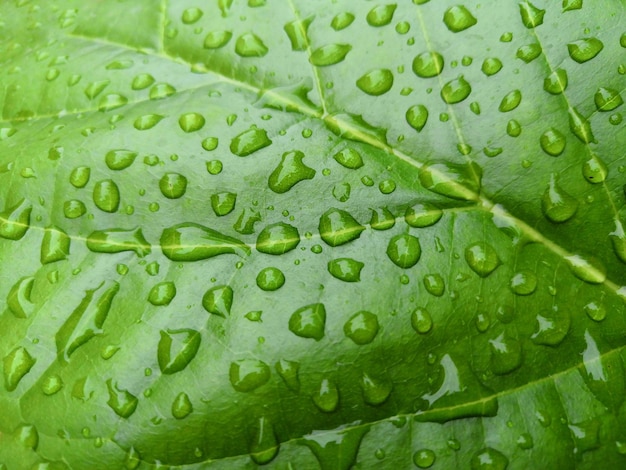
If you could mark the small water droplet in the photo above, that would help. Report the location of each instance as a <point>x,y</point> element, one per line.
<point>349,158</point>
<point>147,121</point>
<point>422,215</point>
<point>434,284</point>
<point>115,160</point>
<point>191,122</point>
<point>382,219</point>
<point>51,385</point>
<point>191,15</point>
<point>161,91</point>
<point>362,327</point>
<point>375,392</point>
<point>381,15</point>
<point>556,82</point>
<point>277,239</point>
<point>250,45</point>
<point>181,406</point>
<point>249,142</point>
<point>309,321</point>
<point>458,18</point>
<point>529,52</point>
<point>491,66</point>
<point>270,279</point>
<point>506,354</point>
<point>513,128</point>
<point>417,116</point>
<point>345,269</point>
<point>106,195</point>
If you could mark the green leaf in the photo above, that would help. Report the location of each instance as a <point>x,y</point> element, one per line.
<point>312,234</point>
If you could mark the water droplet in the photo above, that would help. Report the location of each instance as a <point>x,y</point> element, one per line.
<point>510,101</point>
<point>265,445</point>
<point>95,88</point>
<point>417,116</point>
<point>193,242</point>
<point>147,121</point>
<point>112,101</point>
<point>607,99</point>
<point>434,284</point>
<point>586,435</point>
<point>552,142</point>
<point>375,392</point>
<point>489,459</point>
<point>250,45</point>
<point>382,219</point>
<point>51,385</point>
<point>376,82</point>
<point>337,448</point>
<point>338,227</point>
<point>342,21</point>
<point>458,181</point>
<point>404,250</point>
<point>381,15</point>
<point>556,82</point>
<point>326,397</point>
<point>74,209</point>
<point>223,203</point>
<point>181,406</point>
<point>362,327</point>
<point>387,186</point>
<point>270,279</point>
<point>596,311</point>
<point>161,91</point>
<point>115,160</point>
<point>456,90</point>
<point>421,321</point>
<point>345,269</point>
<point>117,240</point>
<point>330,54</point>
<point>531,17</point>
<point>491,66</point>
<point>55,245</point>
<point>217,39</point>
<point>458,18</point>
<point>580,126</point>
<point>16,365</point>
<point>80,176</point>
<point>551,327</point>
<point>288,371</point>
<point>121,401</point>
<point>142,81</point>
<point>524,282</point>
<point>529,52</point>
<point>584,49</point>
<point>191,122</point>
<point>422,215</point>
<point>403,27</point>
<point>506,354</point>
<point>173,185</point>
<point>513,128</point>
<point>482,258</point>
<point>162,293</point>
<point>106,196</point>
<point>15,220</point>
<point>177,348</point>
<point>309,321</point>
<point>277,239</point>
<point>249,142</point>
<point>349,158</point>
<point>595,170</point>
<point>245,223</point>
<point>18,299</point>
<point>569,5</point>
<point>424,458</point>
<point>297,33</point>
<point>191,15</point>
<point>218,300</point>
<point>289,172</point>
<point>428,64</point>
<point>247,375</point>
<point>557,205</point>
<point>589,271</point>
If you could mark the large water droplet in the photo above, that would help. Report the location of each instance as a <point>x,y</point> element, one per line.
<point>382,219</point>
<point>55,245</point>
<point>584,49</point>
<point>249,142</point>
<point>142,81</point>
<point>491,66</point>
<point>524,282</point>
<point>381,15</point>
<point>531,17</point>
<point>607,99</point>
<point>218,300</point>
<point>191,15</point>
<point>404,250</point>
<point>362,327</point>
<point>489,459</point>
<point>117,240</point>
<point>309,321</point>
<point>338,227</point>
<point>342,21</point>
<point>589,271</point>
<point>112,101</point>
<point>288,371</point>
<point>580,127</point>
<point>458,181</point>
<point>173,185</point>
<point>337,449</point>
<point>375,391</point>
<point>345,269</point>
<point>297,33</point>
<point>506,354</point>
<point>147,121</point>
<point>161,91</point>
<point>557,205</point>
<point>74,209</point>
<point>456,90</point>
<point>106,195</point>
<point>376,82</point>
<point>529,52</point>
<point>552,142</point>
<point>80,176</point>
<point>424,458</point>
<point>551,327</point>
<point>421,321</point>
<point>265,444</point>
<point>223,203</point>
<point>27,435</point>
<point>177,348</point>
<point>181,406</point>
<point>270,279</point>
<point>349,158</point>
<point>119,159</point>
<point>191,122</point>
<point>289,172</point>
<point>330,54</point>
<point>193,242</point>
<point>87,319</point>
<point>596,311</point>
<point>16,365</point>
<point>277,239</point>
<point>458,18</point>
<point>618,239</point>
<point>482,258</point>
<point>510,101</point>
<point>595,170</point>
<point>417,116</point>
<point>217,39</point>
<point>556,82</point>
<point>15,220</point>
<point>18,299</point>
<point>121,401</point>
<point>250,45</point>
<point>326,398</point>
<point>428,64</point>
<point>162,293</point>
<point>247,375</point>
<point>422,214</point>
<point>434,284</point>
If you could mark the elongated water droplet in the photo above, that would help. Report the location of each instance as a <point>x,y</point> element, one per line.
<point>607,99</point>
<point>112,101</point>
<point>345,269</point>
<point>16,365</point>
<point>277,239</point>
<point>309,321</point>
<point>249,142</point>
<point>289,172</point>
<point>584,49</point>
<point>422,214</point>
<point>18,299</point>
<point>596,311</point>
<point>181,406</point>
<point>55,245</point>
<point>297,33</point>
<point>191,15</point>
<point>106,195</point>
<point>375,391</point>
<point>551,327</point>
<point>552,142</point>
<point>458,181</point>
<point>557,205</point>
<point>382,219</point>
<point>121,401</point>
<point>338,227</point>
<point>482,258</point>
<point>342,21</point>
<point>417,116</point>
<point>330,54</point>
<point>618,239</point>
<point>247,375</point>
<point>531,15</point>
<point>381,15</point>
<point>456,90</point>
<point>15,220</point>
<point>434,284</point>
<point>119,159</point>
<point>87,319</point>
<point>595,170</point>
<point>489,459</point>
<point>117,240</point>
<point>580,127</point>
<point>265,444</point>
<point>376,82</point>
<point>458,18</point>
<point>161,91</point>
<point>177,348</point>
<point>193,242</point>
<point>147,121</point>
<point>250,45</point>
<point>589,271</point>
<point>349,158</point>
<point>218,300</point>
<point>428,64</point>
<point>95,88</point>
<point>510,101</point>
<point>421,321</point>
<point>288,371</point>
<point>217,39</point>
<point>404,250</point>
<point>556,82</point>
<point>362,327</point>
<point>326,398</point>
<point>491,66</point>
<point>162,293</point>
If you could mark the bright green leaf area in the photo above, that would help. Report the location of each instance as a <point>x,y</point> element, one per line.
<point>312,234</point>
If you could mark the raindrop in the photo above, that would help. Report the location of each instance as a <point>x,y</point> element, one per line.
<point>421,321</point>
<point>381,15</point>
<point>288,371</point>
<point>424,458</point>
<point>556,82</point>
<point>217,39</point>
<point>428,64</point>
<point>524,283</point>
<point>55,245</point>
<point>375,392</point>
<point>15,220</point>
<point>482,258</point>
<point>16,365</point>
<point>117,240</point>
<point>193,242</point>
<point>529,52</point>
<point>218,300</point>
<point>580,127</point>
<point>250,45</point>
<point>595,170</point>
<point>417,116</point>
<point>362,327</point>
<point>510,101</point>
<point>349,158</point>
<point>531,17</point>
<point>277,239</point>
<point>404,250</point>
<point>589,271</point>
<point>270,279</point>
<point>247,375</point>
<point>557,205</point>
<point>122,402</point>
<point>338,227</point>
<point>106,195</point>
<point>552,142</point>
<point>551,327</point>
<point>458,18</point>
<point>297,33</point>
<point>434,284</point>
<point>80,176</point>
<point>422,215</point>
<point>345,269</point>
<point>249,142</point>
<point>458,181</point>
<point>607,99</point>
<point>147,121</point>
<point>330,54</point>
<point>382,219</point>
<point>289,172</point>
<point>176,349</point>
<point>491,66</point>
<point>584,49</point>
<point>309,321</point>
<point>162,293</point>
<point>342,21</point>
<point>191,122</point>
<point>117,160</point>
<point>223,203</point>
<point>326,397</point>
<point>376,82</point>
<point>181,406</point>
